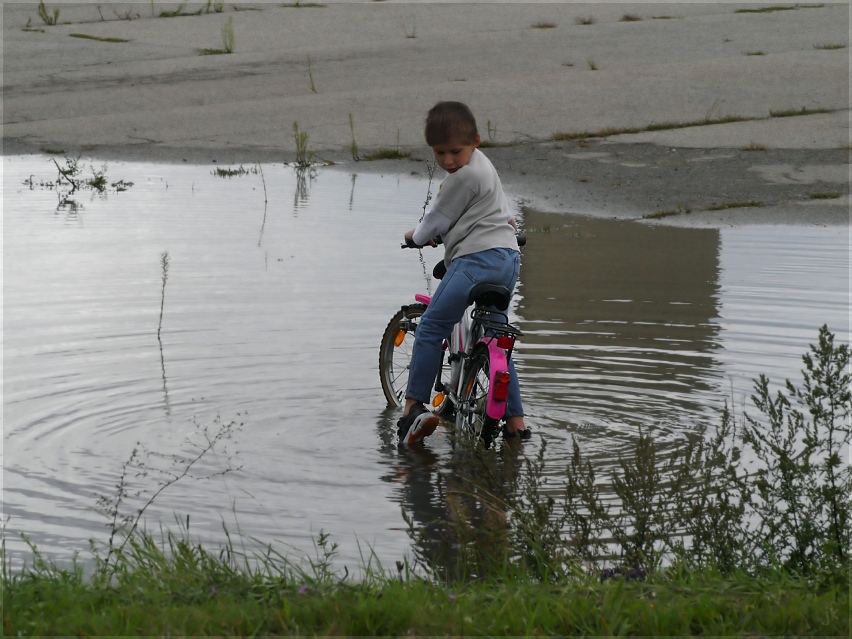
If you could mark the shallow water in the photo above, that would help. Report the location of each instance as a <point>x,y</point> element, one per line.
<point>279,287</point>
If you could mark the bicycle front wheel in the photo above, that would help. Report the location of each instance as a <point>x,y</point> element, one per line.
<point>471,416</point>
<point>395,353</point>
<point>395,360</point>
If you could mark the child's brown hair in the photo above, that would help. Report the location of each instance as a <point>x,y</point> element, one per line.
<point>450,122</point>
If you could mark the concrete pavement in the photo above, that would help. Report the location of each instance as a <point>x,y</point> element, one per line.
<point>137,86</point>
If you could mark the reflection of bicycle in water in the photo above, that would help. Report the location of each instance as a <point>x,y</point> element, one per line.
<point>454,506</point>
<point>472,392</point>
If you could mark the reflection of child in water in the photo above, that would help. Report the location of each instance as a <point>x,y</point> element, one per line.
<point>472,217</point>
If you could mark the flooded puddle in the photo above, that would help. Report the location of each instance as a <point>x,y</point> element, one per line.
<point>278,289</point>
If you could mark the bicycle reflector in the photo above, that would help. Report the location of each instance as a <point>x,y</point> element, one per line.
<point>505,341</point>
<point>501,386</point>
<point>400,338</point>
<point>438,400</point>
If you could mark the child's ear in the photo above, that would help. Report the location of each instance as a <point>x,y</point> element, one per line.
<point>477,141</point>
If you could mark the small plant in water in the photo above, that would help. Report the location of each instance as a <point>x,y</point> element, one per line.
<point>353,147</point>
<point>46,16</point>
<point>164,265</point>
<point>126,507</point>
<point>802,486</point>
<point>303,158</point>
<point>229,173</point>
<point>227,40</point>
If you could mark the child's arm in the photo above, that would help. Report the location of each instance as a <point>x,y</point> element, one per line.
<point>409,240</point>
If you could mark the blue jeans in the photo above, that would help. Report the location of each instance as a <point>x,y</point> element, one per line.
<point>448,306</point>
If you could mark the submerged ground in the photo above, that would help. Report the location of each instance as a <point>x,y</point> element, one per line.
<point>696,114</point>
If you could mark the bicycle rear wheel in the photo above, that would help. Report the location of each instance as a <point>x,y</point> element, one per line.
<point>471,416</point>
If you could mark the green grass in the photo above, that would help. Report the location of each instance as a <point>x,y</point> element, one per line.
<point>657,126</point>
<point>387,154</point>
<point>755,53</point>
<point>665,126</point>
<point>631,17</point>
<point>585,20</point>
<point>770,9</point>
<point>99,39</point>
<point>830,195</point>
<point>176,13</point>
<point>658,215</point>
<point>543,25</point>
<point>175,587</point>
<point>786,113</point>
<point>736,205</point>
<point>829,46</point>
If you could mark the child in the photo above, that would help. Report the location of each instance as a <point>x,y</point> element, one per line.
<point>472,216</point>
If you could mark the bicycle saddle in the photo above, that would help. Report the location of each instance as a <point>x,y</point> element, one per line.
<point>490,295</point>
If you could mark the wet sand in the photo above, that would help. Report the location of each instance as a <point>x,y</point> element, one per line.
<point>618,82</point>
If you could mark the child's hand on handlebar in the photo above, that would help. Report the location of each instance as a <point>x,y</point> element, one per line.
<point>409,240</point>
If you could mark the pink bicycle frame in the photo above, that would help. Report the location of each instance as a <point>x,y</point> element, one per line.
<point>495,408</point>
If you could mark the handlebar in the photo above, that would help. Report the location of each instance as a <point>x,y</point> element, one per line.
<point>522,240</point>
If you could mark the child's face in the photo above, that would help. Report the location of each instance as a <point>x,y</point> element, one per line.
<point>452,156</point>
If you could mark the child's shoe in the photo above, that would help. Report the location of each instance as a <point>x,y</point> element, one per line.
<point>419,423</point>
<point>517,435</point>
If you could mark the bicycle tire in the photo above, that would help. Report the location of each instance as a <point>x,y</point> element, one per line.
<point>395,359</point>
<point>471,416</point>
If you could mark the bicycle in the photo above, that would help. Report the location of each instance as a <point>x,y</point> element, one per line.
<point>472,393</point>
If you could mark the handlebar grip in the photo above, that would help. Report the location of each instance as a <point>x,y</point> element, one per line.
<point>438,240</point>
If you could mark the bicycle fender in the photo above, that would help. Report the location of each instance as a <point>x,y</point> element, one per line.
<point>423,299</point>
<point>495,409</point>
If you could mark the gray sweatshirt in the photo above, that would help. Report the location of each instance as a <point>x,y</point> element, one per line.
<point>470,212</point>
